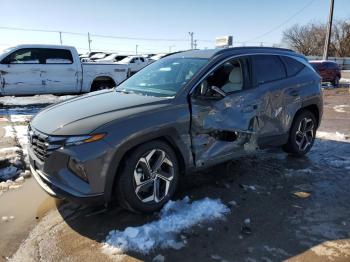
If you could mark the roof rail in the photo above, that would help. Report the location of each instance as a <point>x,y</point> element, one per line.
<point>253,47</point>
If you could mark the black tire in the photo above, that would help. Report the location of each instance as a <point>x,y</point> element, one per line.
<point>335,82</point>
<point>294,145</point>
<point>126,185</point>
<point>101,85</point>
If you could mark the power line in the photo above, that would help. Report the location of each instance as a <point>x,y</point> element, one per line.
<point>92,34</point>
<point>283,23</point>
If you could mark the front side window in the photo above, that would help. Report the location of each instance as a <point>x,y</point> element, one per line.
<point>228,77</point>
<point>24,56</point>
<point>268,68</point>
<point>164,77</point>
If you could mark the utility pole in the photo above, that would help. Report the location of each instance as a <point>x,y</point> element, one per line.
<point>171,46</point>
<point>195,44</point>
<point>329,31</point>
<point>60,37</point>
<point>191,35</point>
<point>89,41</point>
<point>136,49</point>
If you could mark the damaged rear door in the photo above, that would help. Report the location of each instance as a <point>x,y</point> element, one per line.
<point>224,108</point>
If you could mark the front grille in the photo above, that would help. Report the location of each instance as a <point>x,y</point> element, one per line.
<point>42,144</point>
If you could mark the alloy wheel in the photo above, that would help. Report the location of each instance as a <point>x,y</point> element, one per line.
<point>305,133</point>
<point>153,175</point>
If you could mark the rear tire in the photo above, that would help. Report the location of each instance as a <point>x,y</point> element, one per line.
<point>335,82</point>
<point>101,85</point>
<point>148,178</point>
<point>302,134</point>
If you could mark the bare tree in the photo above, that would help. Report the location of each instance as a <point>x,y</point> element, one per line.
<point>341,38</point>
<point>309,39</point>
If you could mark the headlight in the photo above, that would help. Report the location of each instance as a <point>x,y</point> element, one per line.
<point>78,140</point>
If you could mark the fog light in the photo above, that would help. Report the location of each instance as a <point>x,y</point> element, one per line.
<point>77,169</point>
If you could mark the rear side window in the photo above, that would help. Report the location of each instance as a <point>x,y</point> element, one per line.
<point>268,68</point>
<point>56,56</point>
<point>293,66</point>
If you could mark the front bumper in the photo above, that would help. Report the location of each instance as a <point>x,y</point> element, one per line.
<point>54,176</point>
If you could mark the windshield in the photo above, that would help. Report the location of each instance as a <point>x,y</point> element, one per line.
<point>126,59</point>
<point>7,50</point>
<point>99,55</point>
<point>164,77</point>
<point>110,57</point>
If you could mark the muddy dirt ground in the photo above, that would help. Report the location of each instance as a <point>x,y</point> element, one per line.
<point>299,209</point>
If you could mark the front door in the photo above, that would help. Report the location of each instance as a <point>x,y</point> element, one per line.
<point>225,116</point>
<point>21,73</point>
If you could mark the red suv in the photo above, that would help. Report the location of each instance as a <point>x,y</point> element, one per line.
<point>328,70</point>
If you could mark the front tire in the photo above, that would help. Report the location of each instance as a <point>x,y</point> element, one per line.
<point>302,134</point>
<point>148,178</point>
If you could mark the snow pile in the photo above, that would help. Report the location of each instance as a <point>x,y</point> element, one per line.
<point>21,133</point>
<point>8,131</point>
<point>22,137</point>
<point>33,100</point>
<point>332,136</point>
<point>20,118</point>
<point>175,217</point>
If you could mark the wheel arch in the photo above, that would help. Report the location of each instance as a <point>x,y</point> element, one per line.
<point>313,108</point>
<point>120,156</point>
<point>102,78</point>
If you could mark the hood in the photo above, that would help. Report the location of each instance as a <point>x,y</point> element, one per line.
<point>83,114</point>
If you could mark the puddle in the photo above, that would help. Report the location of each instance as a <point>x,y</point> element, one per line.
<point>27,205</point>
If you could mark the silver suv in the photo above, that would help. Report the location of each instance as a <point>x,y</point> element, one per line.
<point>184,112</point>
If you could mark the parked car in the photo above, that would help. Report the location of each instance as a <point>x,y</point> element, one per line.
<point>185,112</point>
<point>88,54</point>
<point>135,63</point>
<point>328,70</point>
<point>53,69</point>
<point>98,56</point>
<point>112,58</point>
<point>156,57</point>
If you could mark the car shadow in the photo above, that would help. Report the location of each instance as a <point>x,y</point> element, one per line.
<point>264,186</point>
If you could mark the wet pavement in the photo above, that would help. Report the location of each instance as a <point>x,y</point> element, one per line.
<point>299,209</point>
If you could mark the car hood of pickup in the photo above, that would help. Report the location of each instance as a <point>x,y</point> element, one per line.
<point>83,114</point>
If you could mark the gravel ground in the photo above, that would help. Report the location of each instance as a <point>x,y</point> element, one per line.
<point>282,208</point>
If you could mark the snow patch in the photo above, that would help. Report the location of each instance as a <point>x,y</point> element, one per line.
<point>340,108</point>
<point>33,100</point>
<point>22,136</point>
<point>20,118</point>
<point>332,136</point>
<point>340,163</point>
<point>175,217</point>
<point>8,131</point>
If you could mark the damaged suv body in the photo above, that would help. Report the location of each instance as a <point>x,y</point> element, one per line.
<point>187,111</point>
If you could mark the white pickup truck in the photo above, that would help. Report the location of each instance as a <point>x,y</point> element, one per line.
<point>54,69</point>
<point>135,63</point>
